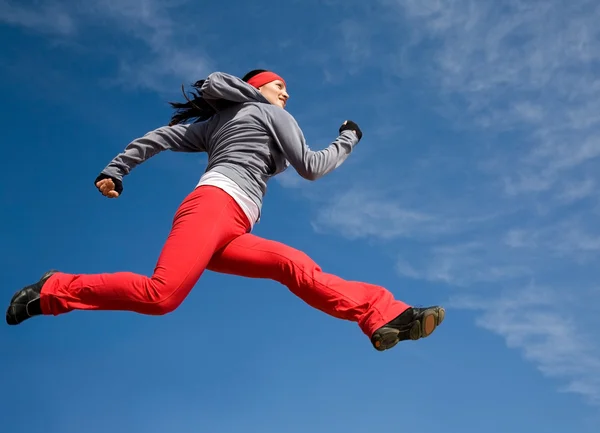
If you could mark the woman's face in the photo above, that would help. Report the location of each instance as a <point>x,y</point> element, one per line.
<point>275,93</point>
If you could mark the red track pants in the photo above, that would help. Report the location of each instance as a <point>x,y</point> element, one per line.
<point>210,231</point>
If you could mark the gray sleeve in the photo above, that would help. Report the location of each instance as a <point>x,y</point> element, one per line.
<point>310,164</point>
<point>177,138</point>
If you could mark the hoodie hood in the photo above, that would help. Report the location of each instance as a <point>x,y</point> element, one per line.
<point>220,86</point>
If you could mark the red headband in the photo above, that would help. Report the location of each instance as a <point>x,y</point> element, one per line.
<point>263,78</point>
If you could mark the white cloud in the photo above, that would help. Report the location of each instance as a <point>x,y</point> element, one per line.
<point>290,179</point>
<point>362,214</point>
<point>518,238</point>
<point>575,239</point>
<point>524,66</point>
<point>47,18</point>
<point>547,329</point>
<point>355,49</point>
<point>162,62</point>
<point>463,264</point>
<point>168,58</point>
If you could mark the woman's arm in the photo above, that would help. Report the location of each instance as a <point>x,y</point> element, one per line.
<point>176,138</point>
<point>309,164</point>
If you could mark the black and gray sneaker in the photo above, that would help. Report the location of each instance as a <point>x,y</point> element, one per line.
<point>412,324</point>
<point>26,302</point>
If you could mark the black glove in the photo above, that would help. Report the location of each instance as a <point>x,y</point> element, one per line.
<point>350,125</point>
<point>117,182</point>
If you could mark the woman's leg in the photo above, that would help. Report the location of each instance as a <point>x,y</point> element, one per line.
<point>206,221</point>
<point>250,256</point>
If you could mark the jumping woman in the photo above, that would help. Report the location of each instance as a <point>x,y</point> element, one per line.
<point>249,137</point>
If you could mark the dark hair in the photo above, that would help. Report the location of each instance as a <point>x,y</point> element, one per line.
<point>197,108</point>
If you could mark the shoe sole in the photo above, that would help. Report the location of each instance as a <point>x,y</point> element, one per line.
<point>422,328</point>
<point>428,322</point>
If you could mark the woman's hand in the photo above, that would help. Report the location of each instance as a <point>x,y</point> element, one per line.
<point>350,125</point>
<point>108,186</point>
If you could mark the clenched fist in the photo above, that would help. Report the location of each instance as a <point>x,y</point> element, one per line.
<point>351,126</point>
<point>108,186</point>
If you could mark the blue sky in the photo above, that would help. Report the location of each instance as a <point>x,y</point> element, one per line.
<point>475,186</point>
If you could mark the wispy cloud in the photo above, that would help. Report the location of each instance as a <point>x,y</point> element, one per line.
<point>355,49</point>
<point>161,28</point>
<point>47,18</point>
<point>463,264</point>
<point>290,179</point>
<point>547,328</point>
<point>360,214</point>
<point>529,67</point>
<point>152,51</point>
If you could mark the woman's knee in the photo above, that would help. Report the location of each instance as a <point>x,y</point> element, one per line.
<point>163,299</point>
<point>166,306</point>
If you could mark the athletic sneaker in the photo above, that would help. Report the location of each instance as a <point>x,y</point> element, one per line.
<point>412,324</point>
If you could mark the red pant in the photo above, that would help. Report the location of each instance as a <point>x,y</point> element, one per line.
<point>210,231</point>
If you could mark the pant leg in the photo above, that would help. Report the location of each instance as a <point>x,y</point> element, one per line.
<point>250,256</point>
<point>205,221</point>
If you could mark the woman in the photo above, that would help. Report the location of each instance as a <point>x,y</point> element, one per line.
<point>249,137</point>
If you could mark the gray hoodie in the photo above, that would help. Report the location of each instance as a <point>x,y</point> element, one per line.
<point>249,142</point>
